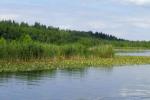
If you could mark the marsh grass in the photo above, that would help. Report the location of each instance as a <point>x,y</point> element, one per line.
<point>70,63</point>
<point>105,51</point>
<point>27,49</point>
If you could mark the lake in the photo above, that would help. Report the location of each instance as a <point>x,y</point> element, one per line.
<point>110,83</point>
<point>134,53</point>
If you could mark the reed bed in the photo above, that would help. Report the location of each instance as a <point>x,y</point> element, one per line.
<point>28,49</point>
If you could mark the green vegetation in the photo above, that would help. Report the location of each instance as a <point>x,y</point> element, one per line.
<point>25,42</point>
<point>11,30</point>
<point>26,47</point>
<point>75,62</point>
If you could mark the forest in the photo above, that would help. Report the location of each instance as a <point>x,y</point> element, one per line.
<point>24,41</point>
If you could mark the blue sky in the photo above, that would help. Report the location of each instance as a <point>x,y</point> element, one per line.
<point>129,19</point>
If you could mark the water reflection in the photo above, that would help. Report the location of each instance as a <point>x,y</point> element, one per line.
<point>27,76</point>
<point>74,73</point>
<point>92,83</point>
<point>35,76</point>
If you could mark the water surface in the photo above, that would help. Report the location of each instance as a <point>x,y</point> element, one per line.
<point>109,83</point>
<point>134,53</point>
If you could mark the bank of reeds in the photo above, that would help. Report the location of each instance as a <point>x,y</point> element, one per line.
<point>28,49</point>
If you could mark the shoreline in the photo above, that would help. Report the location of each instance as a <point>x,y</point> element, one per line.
<point>72,63</point>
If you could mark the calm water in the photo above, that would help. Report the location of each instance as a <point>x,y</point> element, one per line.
<point>134,53</point>
<point>115,83</point>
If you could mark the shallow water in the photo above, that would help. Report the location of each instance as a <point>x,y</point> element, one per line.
<point>134,53</point>
<point>110,83</point>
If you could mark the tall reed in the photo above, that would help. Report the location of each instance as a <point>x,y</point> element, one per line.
<point>28,49</point>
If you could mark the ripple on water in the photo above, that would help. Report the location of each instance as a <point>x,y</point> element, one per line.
<point>136,92</point>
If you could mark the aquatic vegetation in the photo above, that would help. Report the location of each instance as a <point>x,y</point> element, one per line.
<point>104,51</point>
<point>73,62</point>
<point>28,49</point>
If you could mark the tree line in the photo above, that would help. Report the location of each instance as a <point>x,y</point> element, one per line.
<point>11,30</point>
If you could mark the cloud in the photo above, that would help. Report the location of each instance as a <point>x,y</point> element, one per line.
<point>138,2</point>
<point>9,16</point>
<point>138,22</point>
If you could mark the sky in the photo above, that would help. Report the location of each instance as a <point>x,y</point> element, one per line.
<point>128,19</point>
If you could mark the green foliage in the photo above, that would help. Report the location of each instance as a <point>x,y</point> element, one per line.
<point>2,47</point>
<point>2,41</point>
<point>105,51</point>
<point>26,39</point>
<point>23,41</point>
<point>11,30</point>
<point>35,50</point>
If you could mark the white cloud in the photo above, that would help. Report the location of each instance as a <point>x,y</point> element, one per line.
<point>96,24</point>
<point>8,16</point>
<point>143,25</point>
<point>138,2</point>
<point>138,22</point>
